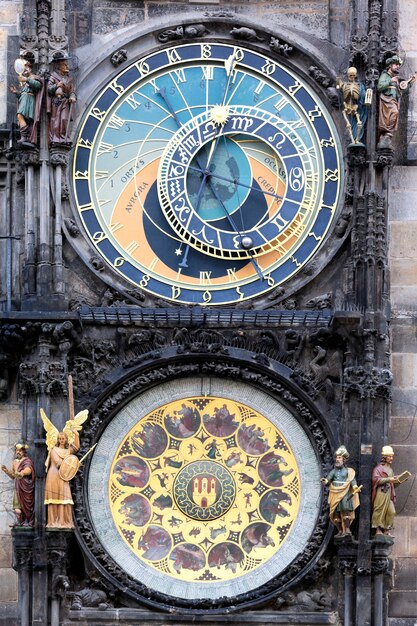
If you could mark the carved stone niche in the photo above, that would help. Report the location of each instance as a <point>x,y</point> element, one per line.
<point>245,535</point>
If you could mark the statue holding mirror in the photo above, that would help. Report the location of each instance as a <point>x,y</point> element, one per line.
<point>29,98</point>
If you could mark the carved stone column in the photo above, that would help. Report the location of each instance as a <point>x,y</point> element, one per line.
<point>23,563</point>
<point>59,161</point>
<point>381,547</point>
<point>43,384</point>
<point>347,552</point>
<point>57,546</point>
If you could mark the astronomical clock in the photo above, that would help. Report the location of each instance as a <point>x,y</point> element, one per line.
<point>208,174</point>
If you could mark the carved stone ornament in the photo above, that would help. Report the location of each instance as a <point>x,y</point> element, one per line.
<point>22,558</point>
<point>118,57</point>
<point>60,157</point>
<point>97,264</point>
<point>356,156</point>
<point>220,13</point>
<point>142,380</point>
<point>347,566</point>
<point>192,31</point>
<point>359,49</point>
<point>319,76</point>
<point>28,157</point>
<point>245,34</point>
<point>384,158</point>
<point>280,46</point>
<point>380,565</point>
<point>372,383</point>
<point>36,379</point>
<point>389,45</point>
<point>71,227</point>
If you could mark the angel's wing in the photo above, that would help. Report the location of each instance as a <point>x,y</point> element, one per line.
<point>75,425</point>
<point>51,431</point>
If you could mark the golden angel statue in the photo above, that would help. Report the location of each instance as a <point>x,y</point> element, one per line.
<point>61,466</point>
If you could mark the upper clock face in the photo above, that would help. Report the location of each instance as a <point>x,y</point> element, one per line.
<point>207,173</point>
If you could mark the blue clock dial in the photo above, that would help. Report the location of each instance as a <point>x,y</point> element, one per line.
<point>207,173</point>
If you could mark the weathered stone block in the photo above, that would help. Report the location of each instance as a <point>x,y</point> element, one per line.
<point>405,575</point>
<point>404,334</point>
<point>9,11</point>
<point>401,533</point>
<point>413,544</point>
<point>403,240</point>
<point>5,550</point>
<point>8,585</point>
<point>404,367</point>
<point>404,298</point>
<point>402,431</point>
<point>403,604</point>
<point>404,402</point>
<point>404,271</point>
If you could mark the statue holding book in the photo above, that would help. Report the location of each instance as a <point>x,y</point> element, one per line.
<point>383,492</point>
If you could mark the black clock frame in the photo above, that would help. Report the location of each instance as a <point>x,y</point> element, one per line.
<point>124,384</point>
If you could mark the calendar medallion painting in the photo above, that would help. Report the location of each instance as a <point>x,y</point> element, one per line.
<point>206,487</point>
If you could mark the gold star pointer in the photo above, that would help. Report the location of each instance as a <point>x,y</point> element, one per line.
<point>219,114</point>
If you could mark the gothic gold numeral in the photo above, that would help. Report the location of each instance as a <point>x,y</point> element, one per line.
<point>180,76</point>
<point>85,207</point>
<point>99,236</point>
<point>268,68</point>
<point>134,104</point>
<point>119,89</point>
<point>84,143</point>
<point>239,293</point>
<point>205,278</point>
<point>205,50</point>
<point>115,227</point>
<point>132,247</point>
<point>104,147</point>
<point>208,72</point>
<point>173,56</point>
<point>115,121</point>
<point>143,68</point>
<point>81,175</point>
<point>97,113</point>
<point>153,263</point>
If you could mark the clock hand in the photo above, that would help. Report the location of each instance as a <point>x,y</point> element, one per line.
<point>163,93</point>
<point>237,182</point>
<point>206,173</point>
<point>229,65</point>
<point>235,228</point>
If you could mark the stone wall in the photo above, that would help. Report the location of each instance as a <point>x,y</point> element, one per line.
<point>403,431</point>
<point>9,12</point>
<point>403,267</point>
<point>10,414</point>
<point>10,433</point>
